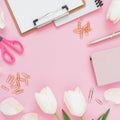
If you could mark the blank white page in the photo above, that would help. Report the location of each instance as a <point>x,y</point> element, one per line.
<point>25,11</point>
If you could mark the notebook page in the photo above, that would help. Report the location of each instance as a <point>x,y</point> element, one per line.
<point>25,11</point>
<point>106,66</point>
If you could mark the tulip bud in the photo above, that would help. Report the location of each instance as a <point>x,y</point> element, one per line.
<point>46,101</point>
<point>113,13</point>
<point>10,106</point>
<point>2,21</point>
<point>75,102</point>
<point>113,95</point>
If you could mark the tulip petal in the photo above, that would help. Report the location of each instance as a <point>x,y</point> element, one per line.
<point>10,106</point>
<point>75,102</point>
<point>114,22</point>
<point>113,13</point>
<point>30,116</point>
<point>46,100</point>
<point>113,95</point>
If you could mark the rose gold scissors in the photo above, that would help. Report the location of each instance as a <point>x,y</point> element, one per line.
<point>14,45</point>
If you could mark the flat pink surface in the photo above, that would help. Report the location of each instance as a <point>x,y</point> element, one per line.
<point>58,58</point>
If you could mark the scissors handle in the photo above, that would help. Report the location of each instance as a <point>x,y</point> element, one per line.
<point>15,45</point>
<point>6,55</point>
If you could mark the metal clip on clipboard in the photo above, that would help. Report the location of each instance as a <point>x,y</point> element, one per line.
<point>51,16</point>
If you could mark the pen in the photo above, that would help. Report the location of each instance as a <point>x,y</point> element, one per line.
<point>104,38</point>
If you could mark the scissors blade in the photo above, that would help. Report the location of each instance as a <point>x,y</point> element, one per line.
<point>1,38</point>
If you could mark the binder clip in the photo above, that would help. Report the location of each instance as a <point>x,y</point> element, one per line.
<point>51,16</point>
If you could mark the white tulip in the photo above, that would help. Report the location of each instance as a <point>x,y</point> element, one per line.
<point>46,100</point>
<point>75,102</point>
<point>2,21</point>
<point>114,11</point>
<point>10,106</point>
<point>113,95</point>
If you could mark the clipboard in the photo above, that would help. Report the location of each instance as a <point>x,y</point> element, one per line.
<point>30,14</point>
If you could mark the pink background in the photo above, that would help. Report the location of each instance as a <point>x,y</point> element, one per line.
<point>58,58</point>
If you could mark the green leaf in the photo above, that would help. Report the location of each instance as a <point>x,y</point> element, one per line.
<point>106,114</point>
<point>66,117</point>
<point>100,117</point>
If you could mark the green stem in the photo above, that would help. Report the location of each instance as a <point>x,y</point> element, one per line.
<point>81,118</point>
<point>57,116</point>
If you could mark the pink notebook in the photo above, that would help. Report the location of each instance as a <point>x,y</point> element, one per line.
<point>106,65</point>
